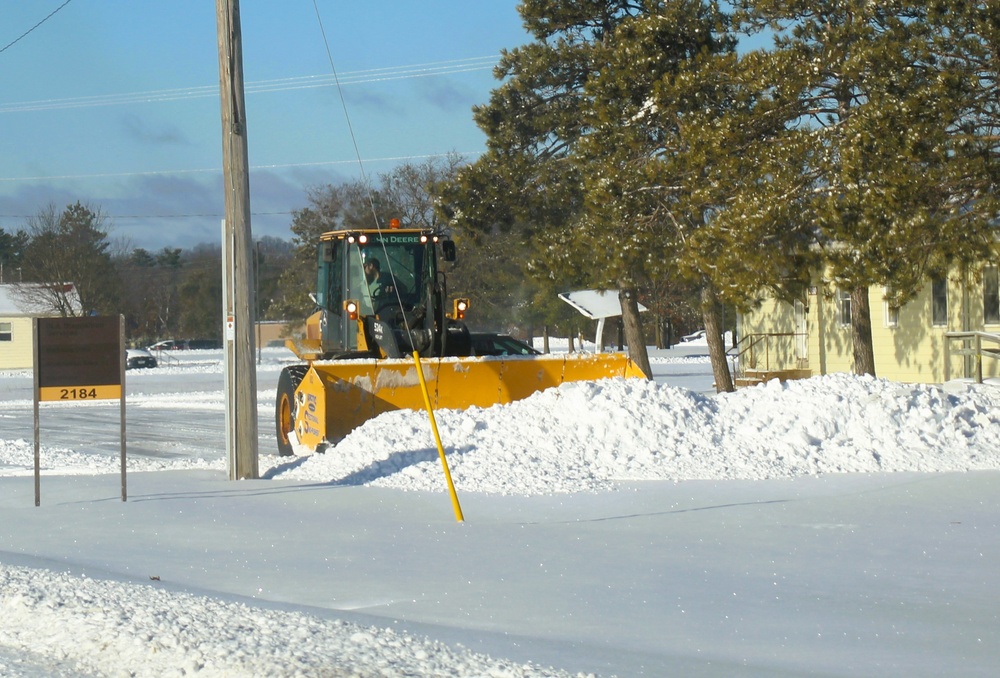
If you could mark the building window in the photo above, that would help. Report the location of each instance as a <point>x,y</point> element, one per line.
<point>845,308</point>
<point>891,312</point>
<point>939,301</point>
<point>991,295</point>
<point>6,332</point>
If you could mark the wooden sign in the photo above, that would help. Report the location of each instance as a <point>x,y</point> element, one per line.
<point>79,358</point>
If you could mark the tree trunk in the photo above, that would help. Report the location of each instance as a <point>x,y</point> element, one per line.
<point>861,331</point>
<point>711,313</point>
<point>633,330</point>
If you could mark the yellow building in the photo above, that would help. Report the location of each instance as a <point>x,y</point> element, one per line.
<point>913,343</point>
<point>18,305</point>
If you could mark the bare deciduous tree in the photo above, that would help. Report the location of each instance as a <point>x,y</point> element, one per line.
<point>69,252</point>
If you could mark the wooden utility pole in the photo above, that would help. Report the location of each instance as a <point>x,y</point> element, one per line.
<point>238,302</point>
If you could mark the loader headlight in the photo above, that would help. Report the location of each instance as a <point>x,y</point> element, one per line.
<point>459,308</point>
<point>351,308</point>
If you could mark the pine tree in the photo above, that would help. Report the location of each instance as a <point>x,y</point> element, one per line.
<point>12,247</point>
<point>966,44</point>
<point>889,189</point>
<point>568,146</point>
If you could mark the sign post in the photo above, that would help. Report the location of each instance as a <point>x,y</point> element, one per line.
<point>79,359</point>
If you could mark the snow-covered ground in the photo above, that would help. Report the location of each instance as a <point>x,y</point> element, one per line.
<point>837,526</point>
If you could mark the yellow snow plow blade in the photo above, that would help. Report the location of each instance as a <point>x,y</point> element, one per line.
<point>335,398</point>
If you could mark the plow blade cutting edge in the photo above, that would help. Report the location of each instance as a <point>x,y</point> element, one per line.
<point>334,398</point>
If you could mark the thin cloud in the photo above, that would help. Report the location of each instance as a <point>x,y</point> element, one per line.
<point>165,135</point>
<point>445,94</point>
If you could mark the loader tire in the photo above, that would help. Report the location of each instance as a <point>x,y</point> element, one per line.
<point>284,406</point>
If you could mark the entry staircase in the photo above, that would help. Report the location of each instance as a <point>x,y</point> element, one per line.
<point>760,357</point>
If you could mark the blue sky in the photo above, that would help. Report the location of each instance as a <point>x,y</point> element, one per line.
<point>116,103</point>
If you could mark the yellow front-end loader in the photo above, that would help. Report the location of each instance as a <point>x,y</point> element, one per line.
<point>381,299</point>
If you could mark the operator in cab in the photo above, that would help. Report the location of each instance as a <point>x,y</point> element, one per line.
<point>379,285</point>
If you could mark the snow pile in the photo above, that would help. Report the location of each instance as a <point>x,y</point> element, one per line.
<point>588,436</point>
<point>107,628</point>
<point>592,436</point>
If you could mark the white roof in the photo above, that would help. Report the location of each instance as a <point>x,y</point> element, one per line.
<point>20,299</point>
<point>596,304</point>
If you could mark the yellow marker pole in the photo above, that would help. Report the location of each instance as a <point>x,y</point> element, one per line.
<point>437,438</point>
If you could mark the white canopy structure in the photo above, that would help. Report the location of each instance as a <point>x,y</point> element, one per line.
<point>597,305</point>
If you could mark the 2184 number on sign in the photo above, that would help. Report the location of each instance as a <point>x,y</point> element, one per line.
<point>79,393</point>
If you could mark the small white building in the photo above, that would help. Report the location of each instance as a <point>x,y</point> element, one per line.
<point>597,305</point>
<point>18,305</point>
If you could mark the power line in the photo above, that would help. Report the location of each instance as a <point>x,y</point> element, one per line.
<point>148,217</point>
<point>260,87</point>
<point>216,170</point>
<point>23,35</point>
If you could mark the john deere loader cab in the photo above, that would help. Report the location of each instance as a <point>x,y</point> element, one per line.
<point>383,315</point>
<point>380,295</point>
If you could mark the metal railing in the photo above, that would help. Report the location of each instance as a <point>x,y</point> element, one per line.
<point>765,352</point>
<point>164,357</point>
<point>972,346</point>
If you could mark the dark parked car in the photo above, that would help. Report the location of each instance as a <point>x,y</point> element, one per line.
<point>204,343</point>
<point>137,358</point>
<point>499,344</point>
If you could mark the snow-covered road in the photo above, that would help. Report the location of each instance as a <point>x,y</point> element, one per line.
<point>830,527</point>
